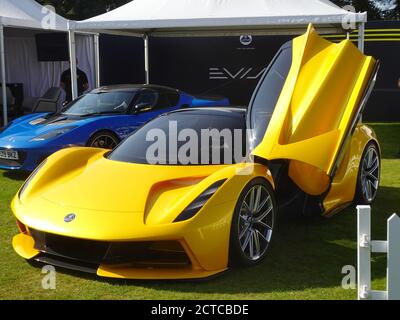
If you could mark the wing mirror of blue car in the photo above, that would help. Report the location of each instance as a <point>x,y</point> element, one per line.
<point>141,107</point>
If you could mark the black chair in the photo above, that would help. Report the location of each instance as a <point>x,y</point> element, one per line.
<point>9,96</point>
<point>10,100</point>
<point>48,102</point>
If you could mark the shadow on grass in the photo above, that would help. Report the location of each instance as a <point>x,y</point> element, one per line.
<point>304,255</point>
<point>16,175</point>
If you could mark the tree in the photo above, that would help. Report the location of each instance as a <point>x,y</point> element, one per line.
<point>389,9</point>
<point>377,9</point>
<point>82,9</point>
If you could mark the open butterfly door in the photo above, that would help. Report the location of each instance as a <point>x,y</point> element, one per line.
<point>308,104</point>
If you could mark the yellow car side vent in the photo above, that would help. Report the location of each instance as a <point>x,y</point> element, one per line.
<point>200,202</point>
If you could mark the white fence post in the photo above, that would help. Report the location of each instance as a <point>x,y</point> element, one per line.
<point>364,252</point>
<point>366,246</point>
<point>393,258</point>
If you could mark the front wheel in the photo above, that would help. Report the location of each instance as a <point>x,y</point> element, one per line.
<point>368,175</point>
<point>253,224</point>
<point>104,140</point>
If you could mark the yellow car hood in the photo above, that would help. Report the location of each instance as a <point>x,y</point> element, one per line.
<point>121,187</point>
<point>100,184</point>
<point>317,107</point>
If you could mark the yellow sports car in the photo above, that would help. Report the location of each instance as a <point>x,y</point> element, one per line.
<point>171,202</point>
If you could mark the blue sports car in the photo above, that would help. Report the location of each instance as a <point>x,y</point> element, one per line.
<point>101,118</point>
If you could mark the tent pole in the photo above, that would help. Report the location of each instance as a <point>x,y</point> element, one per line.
<point>146,58</point>
<point>97,59</point>
<point>361,36</point>
<point>72,60</point>
<point>361,45</point>
<point>3,76</point>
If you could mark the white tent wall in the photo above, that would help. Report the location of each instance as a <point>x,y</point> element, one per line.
<point>25,14</point>
<point>3,75</point>
<point>37,77</point>
<point>20,60</point>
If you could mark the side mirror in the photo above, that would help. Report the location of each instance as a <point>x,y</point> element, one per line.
<point>141,107</point>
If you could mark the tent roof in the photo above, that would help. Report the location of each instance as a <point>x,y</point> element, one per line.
<point>208,16</point>
<point>27,14</point>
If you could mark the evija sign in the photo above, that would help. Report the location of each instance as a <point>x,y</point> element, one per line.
<point>245,73</point>
<point>223,66</point>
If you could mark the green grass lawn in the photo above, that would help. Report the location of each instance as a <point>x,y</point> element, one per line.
<point>305,260</point>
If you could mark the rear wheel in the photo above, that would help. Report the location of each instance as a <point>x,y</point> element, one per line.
<point>369,175</point>
<point>253,224</point>
<point>104,140</point>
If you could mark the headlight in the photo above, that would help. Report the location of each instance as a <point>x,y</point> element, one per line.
<point>53,134</point>
<point>33,174</point>
<point>200,202</point>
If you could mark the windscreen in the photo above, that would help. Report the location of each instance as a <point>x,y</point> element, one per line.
<point>101,103</point>
<point>187,138</point>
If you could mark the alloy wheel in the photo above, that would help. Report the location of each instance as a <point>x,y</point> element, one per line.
<point>256,222</point>
<point>105,142</point>
<point>370,174</point>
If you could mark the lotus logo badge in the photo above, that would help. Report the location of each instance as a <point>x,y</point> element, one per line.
<point>246,39</point>
<point>69,218</point>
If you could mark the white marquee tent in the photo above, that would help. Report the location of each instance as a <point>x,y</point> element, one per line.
<point>20,20</point>
<point>163,16</point>
<point>220,17</point>
<point>146,18</point>
<point>28,14</point>
<point>25,14</point>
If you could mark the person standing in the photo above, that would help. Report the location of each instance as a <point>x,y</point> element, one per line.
<point>65,83</point>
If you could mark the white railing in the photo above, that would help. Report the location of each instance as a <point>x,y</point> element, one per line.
<point>366,246</point>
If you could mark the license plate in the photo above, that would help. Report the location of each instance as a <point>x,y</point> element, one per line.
<point>9,155</point>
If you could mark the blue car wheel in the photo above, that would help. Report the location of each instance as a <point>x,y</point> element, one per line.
<point>103,139</point>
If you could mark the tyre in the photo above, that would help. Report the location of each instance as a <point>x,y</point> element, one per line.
<point>104,140</point>
<point>368,175</point>
<point>253,223</point>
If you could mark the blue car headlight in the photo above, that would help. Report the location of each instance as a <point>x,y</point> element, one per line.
<point>53,134</point>
<point>199,202</point>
